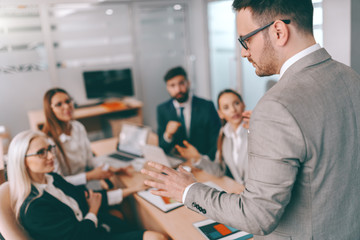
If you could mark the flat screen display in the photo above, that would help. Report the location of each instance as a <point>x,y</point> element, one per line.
<point>108,83</point>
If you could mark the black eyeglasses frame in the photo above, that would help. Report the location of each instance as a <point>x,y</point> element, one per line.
<point>50,148</point>
<point>242,39</point>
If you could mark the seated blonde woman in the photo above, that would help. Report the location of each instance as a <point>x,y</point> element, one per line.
<point>48,207</point>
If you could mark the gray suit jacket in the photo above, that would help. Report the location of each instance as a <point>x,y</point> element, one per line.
<point>304,166</point>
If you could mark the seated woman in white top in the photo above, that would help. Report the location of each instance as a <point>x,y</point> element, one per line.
<point>74,159</point>
<point>232,141</point>
<point>48,207</point>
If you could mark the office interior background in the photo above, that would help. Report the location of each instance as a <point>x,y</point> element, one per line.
<point>44,44</point>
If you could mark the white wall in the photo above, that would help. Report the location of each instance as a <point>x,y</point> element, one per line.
<point>22,92</point>
<point>337,29</point>
<point>199,47</point>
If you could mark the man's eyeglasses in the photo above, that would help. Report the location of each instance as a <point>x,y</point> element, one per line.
<point>43,153</point>
<point>60,104</point>
<point>242,39</point>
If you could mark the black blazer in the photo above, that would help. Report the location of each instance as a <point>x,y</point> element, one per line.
<point>48,218</point>
<point>204,127</point>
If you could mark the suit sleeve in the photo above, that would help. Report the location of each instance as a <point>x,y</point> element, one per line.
<point>78,192</point>
<point>213,128</point>
<point>276,148</point>
<point>162,123</point>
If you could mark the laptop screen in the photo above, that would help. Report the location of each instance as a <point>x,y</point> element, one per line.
<point>132,138</point>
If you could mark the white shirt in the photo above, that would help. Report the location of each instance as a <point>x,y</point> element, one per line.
<point>78,151</point>
<point>239,144</point>
<point>297,57</point>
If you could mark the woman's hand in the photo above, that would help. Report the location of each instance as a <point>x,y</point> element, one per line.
<point>189,151</point>
<point>94,201</point>
<point>246,118</point>
<point>138,186</point>
<point>98,173</point>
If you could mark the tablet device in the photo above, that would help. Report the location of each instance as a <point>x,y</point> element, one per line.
<point>212,230</point>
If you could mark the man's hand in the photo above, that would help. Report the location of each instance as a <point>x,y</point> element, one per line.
<point>246,118</point>
<point>188,152</point>
<point>171,128</point>
<point>171,183</point>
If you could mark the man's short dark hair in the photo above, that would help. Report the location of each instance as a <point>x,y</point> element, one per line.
<point>300,12</point>
<point>176,71</point>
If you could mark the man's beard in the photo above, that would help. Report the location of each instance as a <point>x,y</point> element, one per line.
<point>267,64</point>
<point>182,97</point>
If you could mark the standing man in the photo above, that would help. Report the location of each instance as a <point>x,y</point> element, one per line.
<point>186,117</point>
<point>304,150</point>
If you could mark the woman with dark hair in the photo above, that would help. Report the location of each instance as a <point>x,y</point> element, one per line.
<point>74,159</point>
<point>48,207</point>
<point>232,142</point>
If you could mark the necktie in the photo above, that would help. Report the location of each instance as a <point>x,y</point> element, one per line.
<point>182,118</point>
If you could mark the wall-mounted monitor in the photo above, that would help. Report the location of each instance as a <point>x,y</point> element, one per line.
<point>108,83</point>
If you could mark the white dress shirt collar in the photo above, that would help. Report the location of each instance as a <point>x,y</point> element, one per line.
<point>297,57</point>
<point>42,186</point>
<point>229,131</point>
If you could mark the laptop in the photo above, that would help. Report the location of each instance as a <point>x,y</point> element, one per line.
<point>131,140</point>
<point>156,154</point>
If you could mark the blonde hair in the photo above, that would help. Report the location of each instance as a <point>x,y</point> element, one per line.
<point>18,175</point>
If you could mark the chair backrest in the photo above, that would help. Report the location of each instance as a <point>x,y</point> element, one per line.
<point>9,228</point>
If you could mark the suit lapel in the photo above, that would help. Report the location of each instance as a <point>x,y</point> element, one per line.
<point>72,192</point>
<point>194,111</point>
<point>172,111</point>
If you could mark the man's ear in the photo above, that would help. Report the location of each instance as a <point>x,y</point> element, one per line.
<point>281,32</point>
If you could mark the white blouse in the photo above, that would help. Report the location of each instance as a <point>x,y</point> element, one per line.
<point>239,141</point>
<point>78,151</point>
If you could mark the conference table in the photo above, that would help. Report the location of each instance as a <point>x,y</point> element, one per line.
<point>178,223</point>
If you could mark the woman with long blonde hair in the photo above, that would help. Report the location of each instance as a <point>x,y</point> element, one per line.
<point>49,207</point>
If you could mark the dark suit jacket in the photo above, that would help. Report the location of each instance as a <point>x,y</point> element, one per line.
<point>204,127</point>
<point>46,217</point>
